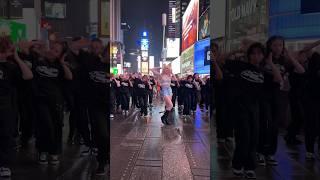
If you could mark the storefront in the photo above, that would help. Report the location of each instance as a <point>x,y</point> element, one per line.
<point>246,19</point>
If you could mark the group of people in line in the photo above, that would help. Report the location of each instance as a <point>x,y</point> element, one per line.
<point>251,86</point>
<point>137,91</point>
<point>41,85</point>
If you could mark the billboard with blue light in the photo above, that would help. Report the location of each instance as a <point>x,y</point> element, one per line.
<point>294,19</point>
<point>201,56</point>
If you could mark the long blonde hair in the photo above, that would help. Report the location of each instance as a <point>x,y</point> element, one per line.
<point>166,67</point>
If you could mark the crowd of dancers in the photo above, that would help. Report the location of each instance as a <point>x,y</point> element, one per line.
<point>137,91</point>
<point>40,84</point>
<point>251,86</point>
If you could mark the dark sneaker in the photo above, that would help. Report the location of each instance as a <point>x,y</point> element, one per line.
<point>271,161</point>
<point>54,160</point>
<point>238,172</point>
<point>250,174</point>
<point>43,158</point>
<point>260,160</point>
<point>101,170</point>
<point>5,172</point>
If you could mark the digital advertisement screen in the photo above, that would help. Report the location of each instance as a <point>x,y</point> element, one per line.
<point>204,25</point>
<point>187,61</point>
<point>173,47</point>
<point>55,10</point>
<point>287,20</point>
<point>104,18</point>
<point>201,57</point>
<point>190,21</point>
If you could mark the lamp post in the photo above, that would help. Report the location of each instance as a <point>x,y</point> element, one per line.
<point>164,23</point>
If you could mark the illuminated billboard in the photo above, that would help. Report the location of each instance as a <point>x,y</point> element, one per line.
<point>204,25</point>
<point>173,47</point>
<point>144,67</point>
<point>187,61</point>
<point>144,44</point>
<point>176,66</point>
<point>190,21</point>
<point>202,57</point>
<point>287,19</point>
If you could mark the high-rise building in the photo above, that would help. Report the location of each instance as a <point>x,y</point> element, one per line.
<point>172,19</point>
<point>181,6</point>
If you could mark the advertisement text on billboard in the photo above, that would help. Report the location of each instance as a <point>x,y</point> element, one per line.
<point>204,25</point>
<point>202,57</point>
<point>187,60</point>
<point>190,21</point>
<point>173,47</point>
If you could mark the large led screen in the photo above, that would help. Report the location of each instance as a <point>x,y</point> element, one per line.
<point>173,47</point>
<point>201,57</point>
<point>187,60</point>
<point>190,21</point>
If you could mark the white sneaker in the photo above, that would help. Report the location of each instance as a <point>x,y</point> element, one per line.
<point>261,160</point>
<point>111,116</point>
<point>43,158</point>
<point>309,156</point>
<point>5,172</point>
<point>85,151</point>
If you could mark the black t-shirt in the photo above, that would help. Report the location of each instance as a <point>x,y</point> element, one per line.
<point>188,87</point>
<point>94,77</point>
<point>10,75</point>
<point>125,86</point>
<point>142,87</point>
<point>248,81</point>
<point>174,85</point>
<point>313,76</point>
<point>48,78</point>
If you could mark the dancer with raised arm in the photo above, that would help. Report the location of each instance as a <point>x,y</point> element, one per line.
<point>166,92</point>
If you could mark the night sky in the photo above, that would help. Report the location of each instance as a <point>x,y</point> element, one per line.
<point>143,15</point>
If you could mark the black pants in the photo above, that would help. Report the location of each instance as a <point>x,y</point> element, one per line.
<point>312,125</point>
<point>194,100</point>
<point>99,118</point>
<point>79,115</point>
<point>125,99</point>
<point>7,128</point>
<point>297,115</point>
<point>180,96</point>
<point>118,98</point>
<point>268,131</point>
<point>143,102</point>
<point>27,116</point>
<point>112,101</point>
<point>187,103</point>
<point>246,137</point>
<point>174,97</point>
<point>220,105</point>
<point>150,94</point>
<point>49,125</point>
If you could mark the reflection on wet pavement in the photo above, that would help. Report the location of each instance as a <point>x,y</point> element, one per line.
<point>144,149</point>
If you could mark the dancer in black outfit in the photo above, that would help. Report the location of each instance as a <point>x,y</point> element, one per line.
<point>250,83</point>
<point>174,86</point>
<point>143,88</point>
<point>12,70</point>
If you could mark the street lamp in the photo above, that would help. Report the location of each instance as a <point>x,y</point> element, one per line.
<point>164,23</point>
